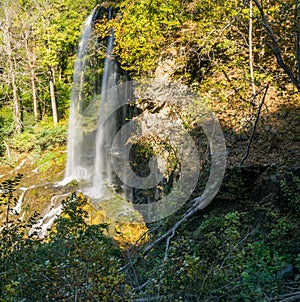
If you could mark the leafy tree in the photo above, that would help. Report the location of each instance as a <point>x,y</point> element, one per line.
<point>281,24</point>
<point>58,31</point>
<point>38,40</point>
<point>10,46</point>
<point>142,28</point>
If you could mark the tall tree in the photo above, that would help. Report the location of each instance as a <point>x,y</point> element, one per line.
<point>29,40</point>
<point>251,47</point>
<point>58,30</point>
<point>9,49</point>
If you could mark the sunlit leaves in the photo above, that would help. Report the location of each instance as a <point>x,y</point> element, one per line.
<point>142,28</point>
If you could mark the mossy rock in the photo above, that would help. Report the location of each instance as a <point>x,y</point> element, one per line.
<point>125,224</point>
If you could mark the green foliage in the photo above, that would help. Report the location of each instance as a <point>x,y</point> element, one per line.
<point>40,138</point>
<point>290,188</point>
<point>41,39</point>
<point>50,161</point>
<point>146,32</point>
<point>223,256</point>
<point>7,197</point>
<point>220,260</point>
<point>6,128</point>
<point>141,29</point>
<point>76,262</point>
<point>58,29</point>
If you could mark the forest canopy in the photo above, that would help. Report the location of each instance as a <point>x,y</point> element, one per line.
<point>39,39</point>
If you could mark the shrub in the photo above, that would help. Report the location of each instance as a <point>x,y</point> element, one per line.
<point>77,262</point>
<point>40,138</point>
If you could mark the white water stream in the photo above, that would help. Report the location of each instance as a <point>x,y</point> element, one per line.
<point>93,121</point>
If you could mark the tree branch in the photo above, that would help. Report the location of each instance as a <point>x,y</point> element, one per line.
<point>291,299</point>
<point>199,203</point>
<point>251,49</point>
<point>297,42</point>
<point>255,125</point>
<point>275,47</point>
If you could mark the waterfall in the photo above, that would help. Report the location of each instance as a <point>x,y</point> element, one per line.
<point>107,127</point>
<point>93,121</point>
<point>76,168</point>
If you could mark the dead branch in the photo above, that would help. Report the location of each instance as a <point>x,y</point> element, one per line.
<point>133,268</point>
<point>255,125</point>
<point>148,299</point>
<point>199,203</point>
<point>297,42</point>
<point>291,299</point>
<point>141,287</point>
<point>133,261</point>
<point>290,294</point>
<point>167,234</point>
<point>168,245</point>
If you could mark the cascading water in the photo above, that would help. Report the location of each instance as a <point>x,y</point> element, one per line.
<point>105,132</point>
<point>76,168</point>
<point>93,120</point>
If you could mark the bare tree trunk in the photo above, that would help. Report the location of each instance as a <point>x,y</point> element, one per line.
<point>34,95</point>
<point>297,33</point>
<point>11,66</point>
<point>13,83</point>
<point>16,105</point>
<point>31,59</point>
<point>52,95</point>
<point>251,48</point>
